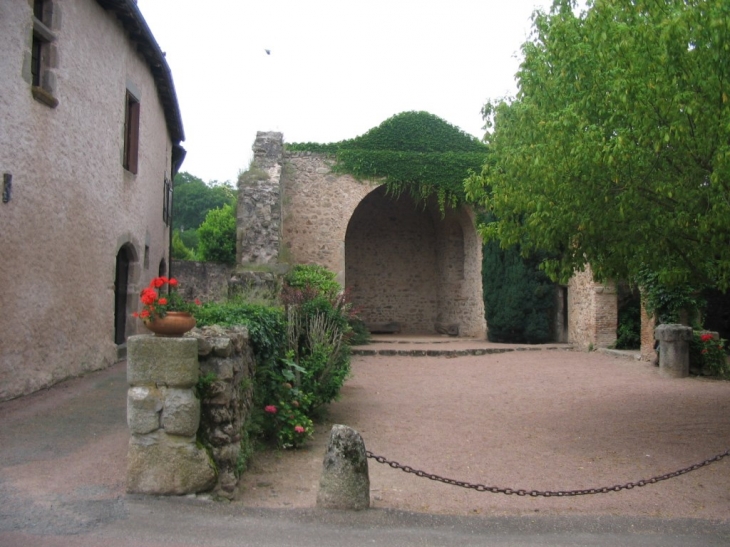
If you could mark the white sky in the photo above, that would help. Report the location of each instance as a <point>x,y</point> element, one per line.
<point>337,67</point>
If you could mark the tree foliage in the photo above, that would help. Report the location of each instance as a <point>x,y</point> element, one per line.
<point>218,236</point>
<point>193,198</point>
<point>616,149</point>
<point>415,152</point>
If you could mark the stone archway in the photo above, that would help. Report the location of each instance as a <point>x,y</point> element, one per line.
<point>411,265</point>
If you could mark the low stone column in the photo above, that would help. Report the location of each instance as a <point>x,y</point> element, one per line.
<point>673,349</point>
<point>345,483</point>
<point>163,415</point>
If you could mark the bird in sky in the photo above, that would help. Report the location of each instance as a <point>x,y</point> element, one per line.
<point>268,51</point>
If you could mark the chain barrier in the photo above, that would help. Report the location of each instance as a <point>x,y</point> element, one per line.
<point>546,493</point>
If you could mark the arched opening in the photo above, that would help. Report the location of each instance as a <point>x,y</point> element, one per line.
<point>122,303</point>
<point>413,269</point>
<point>391,265</point>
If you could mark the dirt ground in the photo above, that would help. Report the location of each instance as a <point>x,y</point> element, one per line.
<point>544,420</point>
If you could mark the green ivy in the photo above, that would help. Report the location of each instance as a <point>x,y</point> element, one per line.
<point>414,152</point>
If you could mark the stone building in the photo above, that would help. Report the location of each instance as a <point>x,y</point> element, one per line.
<point>403,263</point>
<point>90,134</point>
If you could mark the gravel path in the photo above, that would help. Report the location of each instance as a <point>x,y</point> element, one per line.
<point>545,420</point>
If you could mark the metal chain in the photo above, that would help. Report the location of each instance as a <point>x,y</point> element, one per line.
<point>546,493</point>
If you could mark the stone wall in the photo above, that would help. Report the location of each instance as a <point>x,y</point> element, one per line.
<point>167,419</point>
<point>227,367</point>
<point>163,414</point>
<point>205,280</point>
<point>648,324</point>
<point>592,311</point>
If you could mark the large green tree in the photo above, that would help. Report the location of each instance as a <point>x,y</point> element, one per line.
<point>193,198</point>
<point>616,149</point>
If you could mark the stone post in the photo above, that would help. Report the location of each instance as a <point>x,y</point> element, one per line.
<point>345,483</point>
<point>163,414</point>
<point>673,350</point>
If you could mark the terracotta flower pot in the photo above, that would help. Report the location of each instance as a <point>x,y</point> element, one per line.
<point>175,323</point>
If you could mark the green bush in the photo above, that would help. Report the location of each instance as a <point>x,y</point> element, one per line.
<point>519,299</point>
<point>628,333</point>
<point>314,276</point>
<point>217,236</point>
<point>179,250</point>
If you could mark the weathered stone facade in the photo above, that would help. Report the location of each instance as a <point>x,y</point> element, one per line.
<point>207,281</point>
<point>73,209</point>
<point>404,263</point>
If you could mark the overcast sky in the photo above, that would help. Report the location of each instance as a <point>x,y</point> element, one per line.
<point>336,68</point>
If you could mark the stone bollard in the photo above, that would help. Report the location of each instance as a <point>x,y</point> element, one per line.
<point>345,483</point>
<point>163,414</point>
<point>673,349</point>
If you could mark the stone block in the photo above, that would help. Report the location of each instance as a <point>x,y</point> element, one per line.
<point>144,405</point>
<point>153,360</point>
<point>181,412</point>
<point>673,349</point>
<point>159,465</point>
<point>345,482</point>
<point>222,347</point>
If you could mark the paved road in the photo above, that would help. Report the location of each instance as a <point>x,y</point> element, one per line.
<point>62,454</point>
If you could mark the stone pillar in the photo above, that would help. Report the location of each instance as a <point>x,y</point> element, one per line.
<point>648,324</point>
<point>345,483</point>
<point>673,349</point>
<point>163,414</point>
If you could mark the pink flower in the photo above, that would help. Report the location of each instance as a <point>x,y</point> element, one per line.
<point>298,429</point>
<point>271,409</point>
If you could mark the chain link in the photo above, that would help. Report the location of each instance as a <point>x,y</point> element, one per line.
<point>546,493</point>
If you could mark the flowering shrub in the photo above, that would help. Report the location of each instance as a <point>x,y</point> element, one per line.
<point>288,419</point>
<point>157,304</point>
<point>708,355</point>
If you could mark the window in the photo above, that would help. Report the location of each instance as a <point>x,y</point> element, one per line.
<point>167,202</point>
<point>42,54</point>
<point>131,133</point>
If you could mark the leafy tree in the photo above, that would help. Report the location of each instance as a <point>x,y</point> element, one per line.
<point>179,250</point>
<point>218,236</point>
<point>616,150</point>
<point>193,198</point>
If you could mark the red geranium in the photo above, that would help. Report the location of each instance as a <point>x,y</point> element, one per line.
<point>155,305</point>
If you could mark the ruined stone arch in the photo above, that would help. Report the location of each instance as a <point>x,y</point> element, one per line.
<point>409,264</point>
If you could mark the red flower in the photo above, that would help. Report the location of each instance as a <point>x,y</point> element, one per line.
<point>198,302</point>
<point>706,337</point>
<point>157,282</point>
<point>298,429</point>
<point>148,296</point>
<point>271,409</point>
<point>162,301</point>
<point>135,314</point>
<point>144,314</point>
<point>704,351</point>
<point>173,282</point>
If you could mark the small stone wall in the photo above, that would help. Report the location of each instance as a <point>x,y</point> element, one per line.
<point>592,311</point>
<point>227,368</point>
<point>205,280</point>
<point>163,414</point>
<point>168,422</point>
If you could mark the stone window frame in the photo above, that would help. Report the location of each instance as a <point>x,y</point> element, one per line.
<point>43,53</point>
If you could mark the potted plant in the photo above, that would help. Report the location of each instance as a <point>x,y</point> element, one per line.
<point>166,314</point>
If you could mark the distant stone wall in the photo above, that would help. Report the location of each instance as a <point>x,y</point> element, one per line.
<point>205,280</point>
